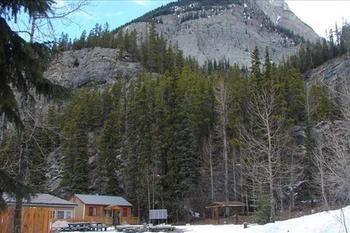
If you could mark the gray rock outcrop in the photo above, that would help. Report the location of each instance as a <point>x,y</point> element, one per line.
<point>334,73</point>
<point>90,67</point>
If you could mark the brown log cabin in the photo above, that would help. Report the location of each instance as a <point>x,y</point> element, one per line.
<point>110,210</point>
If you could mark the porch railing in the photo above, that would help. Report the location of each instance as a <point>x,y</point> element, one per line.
<point>130,220</point>
<point>106,220</point>
<point>93,219</point>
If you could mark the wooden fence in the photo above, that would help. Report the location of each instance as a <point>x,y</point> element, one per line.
<point>34,220</point>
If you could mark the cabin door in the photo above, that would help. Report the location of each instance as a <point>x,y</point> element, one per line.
<point>116,217</point>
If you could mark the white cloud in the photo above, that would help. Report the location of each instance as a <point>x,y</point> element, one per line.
<point>60,3</point>
<point>141,2</point>
<point>321,15</point>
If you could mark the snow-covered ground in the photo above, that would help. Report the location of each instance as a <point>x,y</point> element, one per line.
<point>324,222</point>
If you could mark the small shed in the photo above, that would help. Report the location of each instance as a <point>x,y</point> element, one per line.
<point>236,206</point>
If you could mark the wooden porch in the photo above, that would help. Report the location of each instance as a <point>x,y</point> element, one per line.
<point>93,219</point>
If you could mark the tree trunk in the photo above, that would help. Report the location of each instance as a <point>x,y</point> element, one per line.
<point>153,189</point>
<point>254,190</point>
<point>272,199</point>
<point>2,127</point>
<point>223,111</point>
<point>281,196</point>
<point>22,167</point>
<point>323,190</point>
<point>32,30</point>
<point>234,180</point>
<point>307,105</point>
<point>211,168</point>
<point>291,182</point>
<point>320,162</point>
<point>247,203</point>
<point>270,168</point>
<point>17,218</point>
<point>148,192</point>
<point>226,164</point>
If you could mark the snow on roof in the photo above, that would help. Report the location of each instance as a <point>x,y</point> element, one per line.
<point>102,200</point>
<point>41,199</point>
<point>225,204</point>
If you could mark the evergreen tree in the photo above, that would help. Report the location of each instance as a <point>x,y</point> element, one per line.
<point>19,61</point>
<point>38,150</point>
<point>21,71</point>
<point>110,155</point>
<point>322,105</point>
<point>256,65</point>
<point>80,180</point>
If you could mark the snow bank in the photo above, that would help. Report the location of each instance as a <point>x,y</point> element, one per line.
<point>324,222</point>
<point>57,225</point>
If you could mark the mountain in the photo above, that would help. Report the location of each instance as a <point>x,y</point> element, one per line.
<point>204,30</point>
<point>227,29</point>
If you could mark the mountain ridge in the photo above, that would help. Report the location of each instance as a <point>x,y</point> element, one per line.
<point>227,30</point>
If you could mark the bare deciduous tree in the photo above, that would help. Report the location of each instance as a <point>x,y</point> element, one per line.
<point>332,151</point>
<point>263,144</point>
<point>319,159</point>
<point>222,99</point>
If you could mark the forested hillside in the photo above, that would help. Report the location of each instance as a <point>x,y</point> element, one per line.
<point>180,135</point>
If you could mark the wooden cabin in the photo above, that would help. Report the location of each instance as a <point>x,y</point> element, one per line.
<point>38,213</point>
<point>111,210</point>
<point>62,209</point>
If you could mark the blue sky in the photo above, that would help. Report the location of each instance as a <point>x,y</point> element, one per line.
<point>320,15</point>
<point>115,12</point>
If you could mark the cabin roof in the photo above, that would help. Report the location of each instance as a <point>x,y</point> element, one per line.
<point>102,200</point>
<point>41,199</point>
<point>225,204</point>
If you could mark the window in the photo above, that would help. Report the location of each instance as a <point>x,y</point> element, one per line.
<point>63,214</point>
<point>60,214</point>
<point>92,211</point>
<point>68,214</point>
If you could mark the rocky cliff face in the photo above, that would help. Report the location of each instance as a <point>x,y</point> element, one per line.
<point>229,31</point>
<point>334,73</point>
<point>90,67</point>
